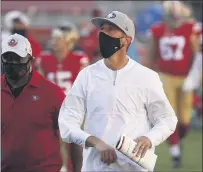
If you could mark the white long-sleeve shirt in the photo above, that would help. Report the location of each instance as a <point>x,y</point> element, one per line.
<point>108,103</point>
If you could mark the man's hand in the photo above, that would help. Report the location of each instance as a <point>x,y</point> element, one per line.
<point>107,153</point>
<point>143,144</point>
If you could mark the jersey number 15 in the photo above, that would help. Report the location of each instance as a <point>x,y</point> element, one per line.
<point>62,79</point>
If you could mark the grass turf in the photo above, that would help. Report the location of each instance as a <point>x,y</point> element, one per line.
<point>192,157</point>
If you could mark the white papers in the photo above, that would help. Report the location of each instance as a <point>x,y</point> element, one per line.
<point>126,146</point>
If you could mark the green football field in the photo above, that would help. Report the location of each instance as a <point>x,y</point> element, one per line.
<point>192,158</point>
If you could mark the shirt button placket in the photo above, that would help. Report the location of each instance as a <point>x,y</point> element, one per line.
<point>115,94</point>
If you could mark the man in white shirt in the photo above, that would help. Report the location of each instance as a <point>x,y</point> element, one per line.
<point>112,97</point>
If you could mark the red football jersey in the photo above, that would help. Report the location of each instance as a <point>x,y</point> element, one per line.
<point>173,47</point>
<point>63,74</point>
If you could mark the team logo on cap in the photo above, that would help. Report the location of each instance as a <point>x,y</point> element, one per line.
<point>12,43</point>
<point>35,98</point>
<point>111,15</point>
<point>126,28</point>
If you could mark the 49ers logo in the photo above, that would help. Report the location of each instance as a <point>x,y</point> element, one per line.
<point>12,43</point>
<point>111,15</point>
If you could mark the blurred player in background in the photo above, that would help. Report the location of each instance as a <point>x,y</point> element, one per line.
<point>145,18</point>
<point>18,22</point>
<point>62,64</point>
<point>89,36</point>
<point>196,68</point>
<point>172,47</point>
<point>73,36</point>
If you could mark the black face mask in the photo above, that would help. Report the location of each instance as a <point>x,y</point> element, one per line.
<point>108,45</point>
<point>22,32</point>
<point>15,71</point>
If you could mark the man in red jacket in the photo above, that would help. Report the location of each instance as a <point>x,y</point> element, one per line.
<point>29,116</point>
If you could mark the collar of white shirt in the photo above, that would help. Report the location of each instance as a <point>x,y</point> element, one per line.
<point>126,67</point>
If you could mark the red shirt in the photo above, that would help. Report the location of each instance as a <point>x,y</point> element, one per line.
<point>36,47</point>
<point>29,133</point>
<point>173,48</point>
<point>90,43</point>
<point>63,74</point>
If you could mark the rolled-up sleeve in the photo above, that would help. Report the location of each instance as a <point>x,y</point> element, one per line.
<point>160,113</point>
<point>72,113</point>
